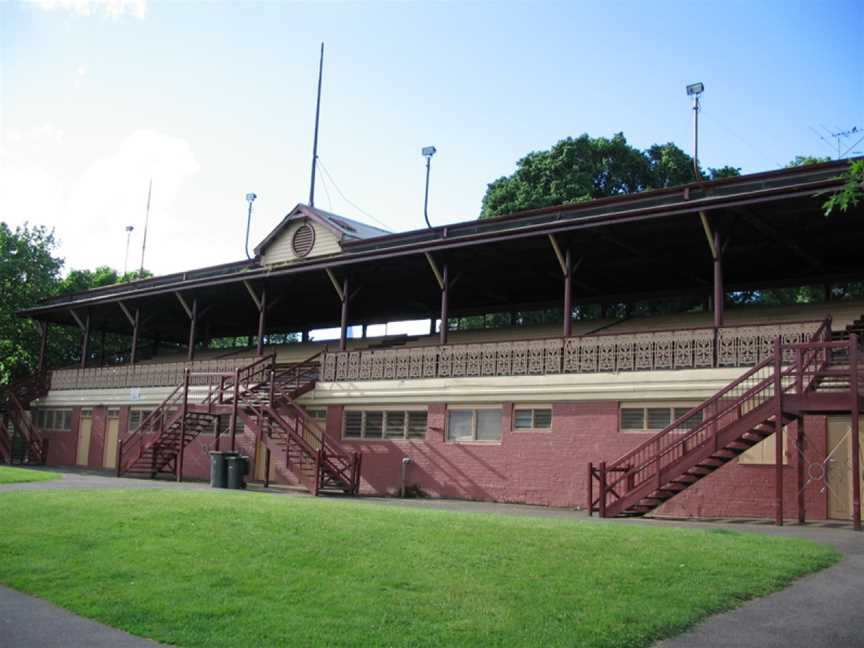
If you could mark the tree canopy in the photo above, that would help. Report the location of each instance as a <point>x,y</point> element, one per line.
<point>29,272</point>
<point>583,168</point>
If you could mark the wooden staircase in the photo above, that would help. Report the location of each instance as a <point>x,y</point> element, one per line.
<point>799,378</point>
<point>20,439</point>
<point>263,396</point>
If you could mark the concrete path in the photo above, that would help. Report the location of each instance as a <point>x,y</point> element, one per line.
<point>823,610</point>
<point>29,622</point>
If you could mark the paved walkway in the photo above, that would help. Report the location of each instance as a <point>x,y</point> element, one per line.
<point>29,622</point>
<point>823,610</point>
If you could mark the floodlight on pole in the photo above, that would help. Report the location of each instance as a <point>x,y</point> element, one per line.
<point>250,198</point>
<point>695,90</point>
<point>428,152</point>
<point>129,229</point>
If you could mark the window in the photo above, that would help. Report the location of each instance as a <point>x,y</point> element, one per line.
<point>473,424</point>
<point>319,414</point>
<point>136,417</point>
<point>384,424</point>
<point>54,420</point>
<point>653,418</point>
<point>535,418</point>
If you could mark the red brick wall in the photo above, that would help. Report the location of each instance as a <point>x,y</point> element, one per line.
<point>538,467</point>
<point>63,445</point>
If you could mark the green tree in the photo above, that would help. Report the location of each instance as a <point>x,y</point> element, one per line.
<point>852,192</point>
<point>29,271</point>
<point>583,168</point>
<point>803,160</point>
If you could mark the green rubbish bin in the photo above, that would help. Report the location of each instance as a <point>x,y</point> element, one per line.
<point>237,466</point>
<point>219,469</point>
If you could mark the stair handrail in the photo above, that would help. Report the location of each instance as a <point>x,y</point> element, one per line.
<point>627,465</point>
<point>24,426</point>
<point>135,439</point>
<point>5,443</point>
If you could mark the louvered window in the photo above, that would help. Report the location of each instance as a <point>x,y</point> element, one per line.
<point>303,240</point>
<point>654,418</point>
<point>385,424</point>
<point>532,418</point>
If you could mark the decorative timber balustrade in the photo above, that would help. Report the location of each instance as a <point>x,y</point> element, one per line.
<point>168,374</point>
<point>738,346</point>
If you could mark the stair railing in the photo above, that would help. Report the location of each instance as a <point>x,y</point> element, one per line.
<point>5,444</point>
<point>650,461</point>
<point>37,447</point>
<point>147,433</point>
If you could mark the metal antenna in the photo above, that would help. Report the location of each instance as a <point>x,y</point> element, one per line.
<point>315,140</point>
<point>146,223</point>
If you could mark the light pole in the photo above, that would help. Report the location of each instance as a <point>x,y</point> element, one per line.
<point>129,229</point>
<point>694,90</point>
<point>250,198</point>
<point>428,152</point>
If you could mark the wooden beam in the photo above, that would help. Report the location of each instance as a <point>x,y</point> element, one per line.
<point>85,340</point>
<point>184,304</point>
<point>126,312</point>
<point>438,276</point>
<point>335,283</point>
<point>706,225</point>
<point>193,321</point>
<point>249,289</point>
<point>43,345</point>
<point>135,325</point>
<point>77,319</point>
<point>561,260</point>
<point>445,298</point>
<point>568,295</point>
<point>343,320</point>
<point>262,318</point>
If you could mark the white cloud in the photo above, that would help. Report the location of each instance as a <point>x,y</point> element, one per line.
<point>111,8</point>
<point>90,211</point>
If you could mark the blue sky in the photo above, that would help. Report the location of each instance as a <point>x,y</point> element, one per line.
<point>216,99</point>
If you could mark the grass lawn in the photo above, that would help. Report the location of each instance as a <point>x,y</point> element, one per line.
<point>246,569</point>
<point>12,475</point>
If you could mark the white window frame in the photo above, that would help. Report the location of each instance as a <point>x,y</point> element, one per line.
<point>384,410</point>
<point>534,409</point>
<point>671,406</point>
<point>473,409</point>
<point>38,418</point>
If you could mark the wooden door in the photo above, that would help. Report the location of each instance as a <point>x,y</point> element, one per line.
<point>109,448</point>
<point>85,425</point>
<point>261,463</point>
<point>838,472</point>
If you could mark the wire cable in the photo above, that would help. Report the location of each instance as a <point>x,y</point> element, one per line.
<point>345,198</point>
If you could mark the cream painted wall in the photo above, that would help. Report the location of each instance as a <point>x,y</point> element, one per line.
<point>280,249</point>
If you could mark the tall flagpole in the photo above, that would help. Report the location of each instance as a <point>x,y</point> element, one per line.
<point>146,222</point>
<point>315,140</point>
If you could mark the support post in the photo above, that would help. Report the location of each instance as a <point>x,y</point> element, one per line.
<point>266,467</point>
<point>778,431</point>
<point>134,350</point>
<point>601,508</point>
<point>445,298</point>
<point>800,442</point>
<point>234,402</point>
<point>719,293</point>
<point>181,450</point>
<point>343,321</point>
<point>193,321</point>
<point>590,489</point>
<point>102,347</point>
<point>856,431</point>
<point>85,341</point>
<point>568,294</point>
<point>43,346</point>
<point>262,317</point>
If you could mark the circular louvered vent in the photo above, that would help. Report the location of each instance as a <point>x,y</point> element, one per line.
<point>304,239</point>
